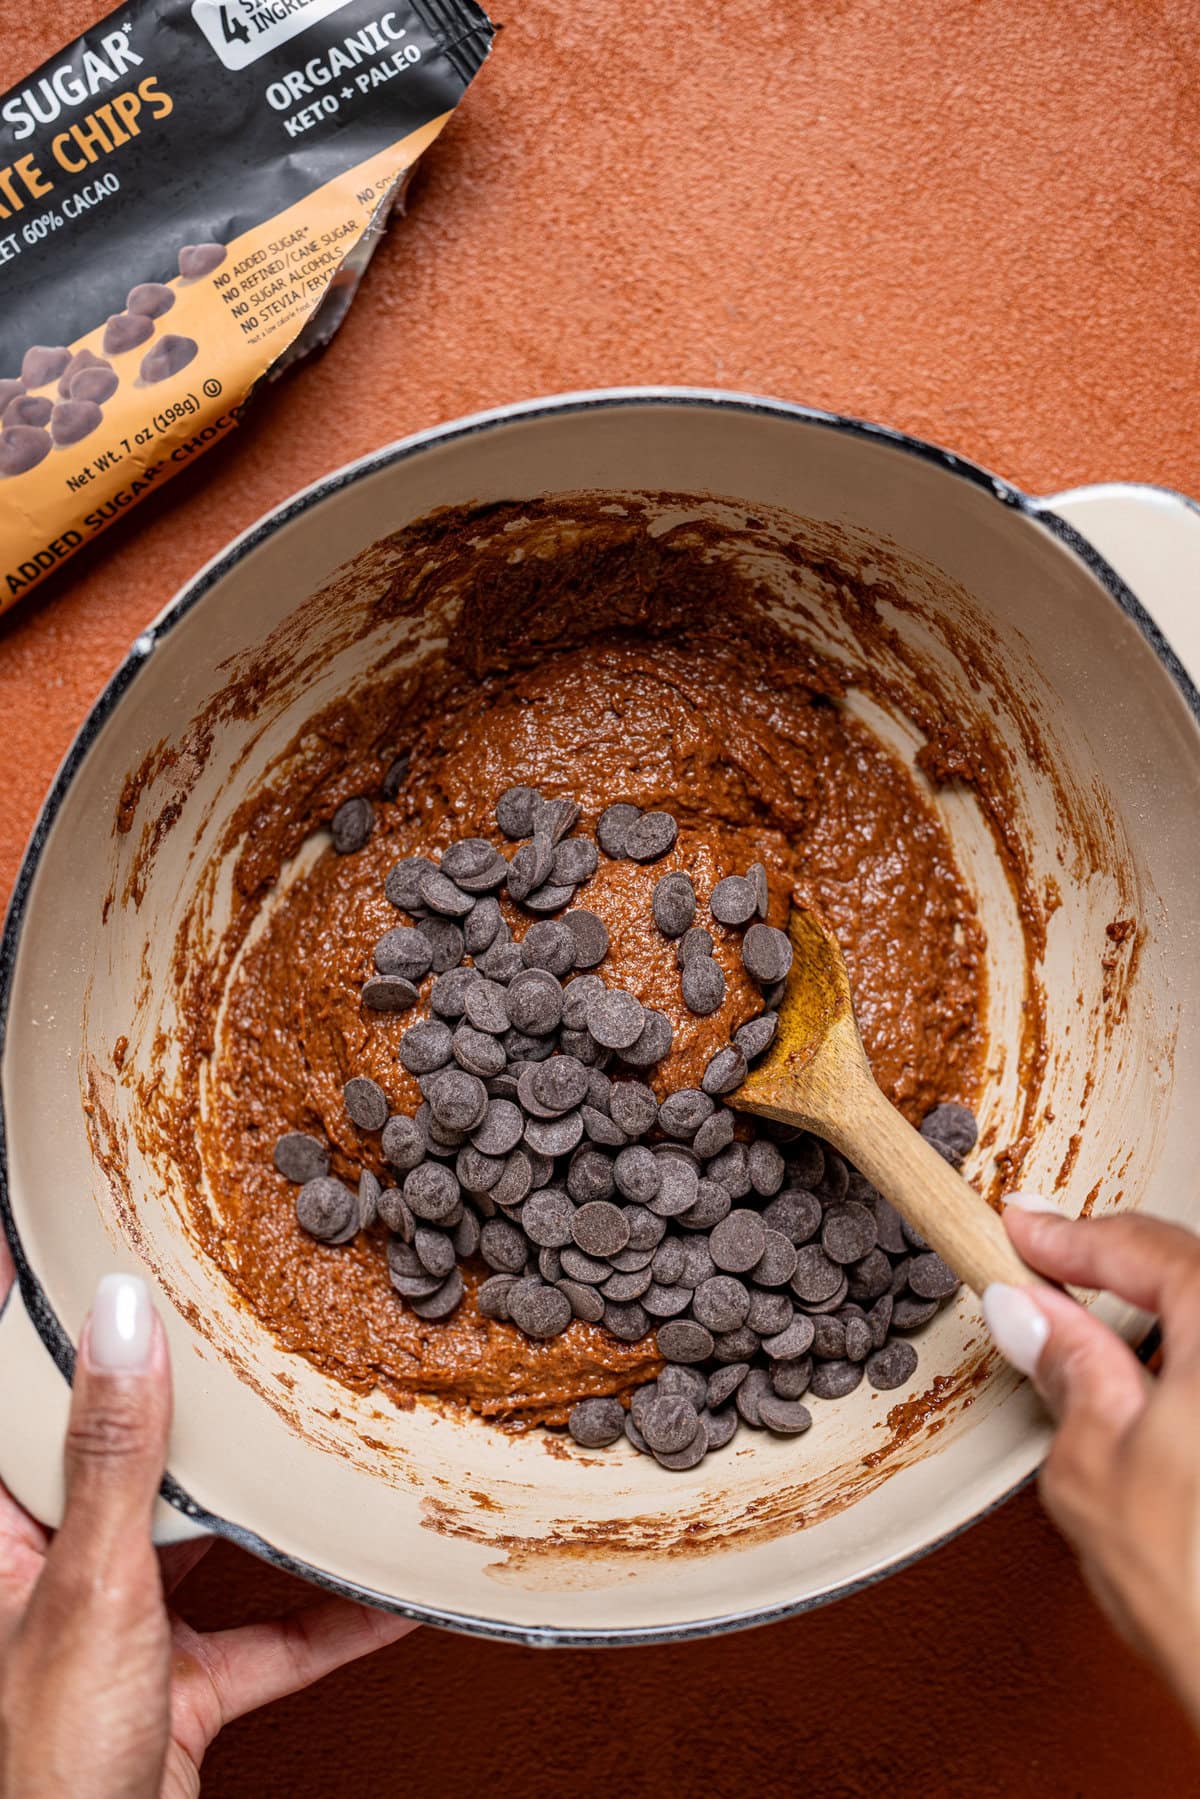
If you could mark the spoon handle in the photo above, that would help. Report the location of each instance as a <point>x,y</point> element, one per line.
<point>953,1219</point>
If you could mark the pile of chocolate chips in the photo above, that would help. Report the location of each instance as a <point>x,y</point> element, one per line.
<point>767,1267</point>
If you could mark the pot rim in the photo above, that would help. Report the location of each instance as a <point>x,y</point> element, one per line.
<point>42,1315</point>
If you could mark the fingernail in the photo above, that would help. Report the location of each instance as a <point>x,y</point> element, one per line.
<point>121,1326</point>
<point>1030,1202</point>
<point>1018,1327</point>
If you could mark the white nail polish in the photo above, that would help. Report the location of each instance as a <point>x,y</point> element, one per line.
<point>1018,1326</point>
<point>120,1333</point>
<point>1031,1202</point>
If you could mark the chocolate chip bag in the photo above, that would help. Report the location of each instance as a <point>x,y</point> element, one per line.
<point>188,197</point>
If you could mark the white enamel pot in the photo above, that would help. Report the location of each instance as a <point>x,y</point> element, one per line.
<point>1083,609</point>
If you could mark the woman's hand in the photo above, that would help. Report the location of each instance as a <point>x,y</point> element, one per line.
<point>104,1693</point>
<point>1122,1480</point>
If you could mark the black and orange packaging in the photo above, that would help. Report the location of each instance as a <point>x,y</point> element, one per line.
<point>188,197</point>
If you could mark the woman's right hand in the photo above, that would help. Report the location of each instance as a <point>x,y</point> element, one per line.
<point>1122,1480</point>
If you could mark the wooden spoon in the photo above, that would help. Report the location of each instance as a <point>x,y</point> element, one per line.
<point>816,1076</point>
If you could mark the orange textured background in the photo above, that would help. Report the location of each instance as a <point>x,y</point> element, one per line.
<point>978,222</point>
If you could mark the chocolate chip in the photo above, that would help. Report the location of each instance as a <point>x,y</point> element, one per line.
<point>29,409</point>
<point>22,447</point>
<point>730,1170</point>
<point>667,1265</point>
<point>792,1378</point>
<point>738,1242</point>
<point>683,1340</point>
<point>770,1313</point>
<point>550,945</point>
<point>698,1265</point>
<point>795,1213</point>
<point>767,953</point>
<point>725,1071</point>
<point>448,995</point>
<point>880,1318</point>
<point>502,1246</point>
<point>646,1231</point>
<point>829,1338</point>
<point>514,811</point>
<point>733,901</point>
<point>765,1166</point>
<point>549,898</point>
<point>403,1143</point>
<point>690,1456</point>
<point>43,363</point>
<point>122,331</point>
<point>674,904</point>
<point>396,776</point>
<point>695,942</point>
<point>627,1321</point>
<point>500,1128</point>
<point>816,1277</point>
<point>703,984</point>
<point>858,1340</point>
<point>870,1278</point>
<point>554,818</point>
<point>521,1050</point>
<point>635,1436</point>
<point>150,297</point>
<point>665,1301</point>
<point>482,926</point>
<point>654,1042</point>
<point>554,1136</point>
<point>408,1274</point>
<point>952,1130</point>
<point>633,1107</point>
<point>466,1235</point>
<point>600,1228</point>
<point>426,1046</point>
<point>623,1286</point>
<point>724,1382</point>
<point>530,868</point>
<point>73,420</point>
<point>443,1302</point>
<point>434,1250</point>
<point>891,1366</point>
<point>517,1179</point>
<point>469,858</point>
<point>196,260</point>
<point>756,874</point>
<point>817,1306</point>
<point>601,1129</point>
<point>443,896</point>
<point>431,1192</point>
<point>594,1423</point>
<point>577,1266</point>
<point>793,1341</point>
<point>668,1422</point>
<point>753,1038</point>
<point>721,1303</point>
<point>402,884</point>
<point>546,1218</point>
<point>575,861</point>
<point>300,1158</point>
<point>678,1187</point>
<point>848,1232</point>
<point>805,1163</point>
<point>930,1278</point>
<point>613,827</point>
<point>682,1114</point>
<point>165,358</point>
<point>750,1394</point>
<point>579,995</point>
<point>366,1103</point>
<point>549,1261</point>
<point>650,836</point>
<point>616,1019</point>
<point>715,1134</point>
<point>535,1001</point>
<point>393,1208</point>
<point>389,993</point>
<point>912,1236</point>
<point>404,951</point>
<point>834,1184</point>
<point>538,1310</point>
<point>351,826</point>
<point>777,1264</point>
<point>590,1175</point>
<point>711,1206</point>
<point>479,1052</point>
<point>492,1295</point>
<point>834,1380</point>
<point>327,1209</point>
<point>476,1171</point>
<point>487,1008</point>
<point>787,1417</point>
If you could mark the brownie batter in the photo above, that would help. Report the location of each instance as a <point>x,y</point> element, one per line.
<point>756,763</point>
